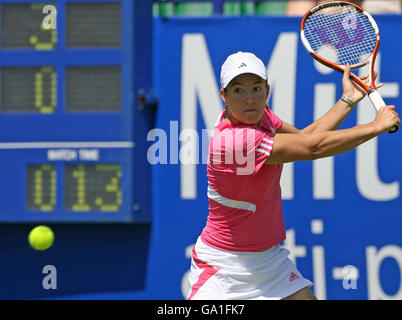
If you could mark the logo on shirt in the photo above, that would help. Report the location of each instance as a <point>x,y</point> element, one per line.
<point>293,276</point>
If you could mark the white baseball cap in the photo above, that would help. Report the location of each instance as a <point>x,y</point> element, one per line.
<point>239,63</point>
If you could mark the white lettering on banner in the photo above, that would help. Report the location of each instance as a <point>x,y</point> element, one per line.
<point>323,169</point>
<point>282,78</point>
<point>296,251</point>
<point>197,80</point>
<point>368,180</point>
<point>320,290</point>
<point>374,259</point>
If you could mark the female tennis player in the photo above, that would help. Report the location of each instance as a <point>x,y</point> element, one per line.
<point>238,255</point>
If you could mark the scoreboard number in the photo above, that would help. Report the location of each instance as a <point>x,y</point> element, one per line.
<point>41,187</point>
<point>91,187</point>
<point>28,89</point>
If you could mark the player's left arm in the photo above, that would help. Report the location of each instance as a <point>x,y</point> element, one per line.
<point>338,113</point>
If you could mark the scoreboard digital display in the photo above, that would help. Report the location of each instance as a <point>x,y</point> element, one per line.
<point>87,187</point>
<point>68,111</point>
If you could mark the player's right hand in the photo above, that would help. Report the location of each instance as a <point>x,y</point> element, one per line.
<point>386,119</point>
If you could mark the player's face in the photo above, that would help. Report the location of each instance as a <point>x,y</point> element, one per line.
<point>246,97</point>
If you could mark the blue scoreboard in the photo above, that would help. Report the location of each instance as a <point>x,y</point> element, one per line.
<point>71,124</point>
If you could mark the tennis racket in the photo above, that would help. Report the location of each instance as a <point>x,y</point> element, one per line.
<point>339,32</point>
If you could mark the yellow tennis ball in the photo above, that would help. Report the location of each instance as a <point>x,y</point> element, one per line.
<point>41,238</point>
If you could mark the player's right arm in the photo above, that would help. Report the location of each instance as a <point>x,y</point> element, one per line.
<point>301,147</point>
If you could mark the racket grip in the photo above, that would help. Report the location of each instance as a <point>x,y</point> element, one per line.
<point>376,99</point>
<point>378,102</point>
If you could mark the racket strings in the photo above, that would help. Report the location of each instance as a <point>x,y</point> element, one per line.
<point>340,34</point>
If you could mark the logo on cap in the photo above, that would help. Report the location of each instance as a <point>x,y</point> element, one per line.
<point>242,65</point>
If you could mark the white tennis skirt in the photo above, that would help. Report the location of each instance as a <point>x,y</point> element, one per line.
<point>226,275</point>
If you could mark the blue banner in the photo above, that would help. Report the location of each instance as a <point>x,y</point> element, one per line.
<point>343,214</point>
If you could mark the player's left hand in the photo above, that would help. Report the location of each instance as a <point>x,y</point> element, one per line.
<point>352,90</point>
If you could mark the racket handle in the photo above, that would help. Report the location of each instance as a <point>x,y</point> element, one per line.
<point>378,102</point>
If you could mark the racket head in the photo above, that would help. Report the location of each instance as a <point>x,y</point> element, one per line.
<point>340,32</point>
